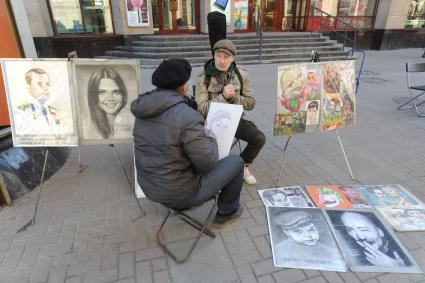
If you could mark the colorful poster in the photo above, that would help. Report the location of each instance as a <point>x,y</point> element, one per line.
<point>328,197</point>
<point>315,97</point>
<point>240,14</point>
<point>301,237</point>
<point>354,196</point>
<point>137,13</point>
<point>410,218</point>
<point>287,196</point>
<point>40,102</point>
<point>368,244</point>
<point>388,195</point>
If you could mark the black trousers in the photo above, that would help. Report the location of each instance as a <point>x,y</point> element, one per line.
<point>247,131</point>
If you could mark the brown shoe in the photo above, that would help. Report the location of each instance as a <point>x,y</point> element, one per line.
<point>221,221</point>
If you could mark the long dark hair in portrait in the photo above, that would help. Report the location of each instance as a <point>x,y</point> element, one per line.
<point>98,116</point>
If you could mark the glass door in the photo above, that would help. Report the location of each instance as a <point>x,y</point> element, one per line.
<point>293,14</point>
<point>177,16</point>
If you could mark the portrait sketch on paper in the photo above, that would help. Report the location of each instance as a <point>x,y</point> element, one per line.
<point>300,237</point>
<point>40,102</point>
<point>388,195</point>
<point>367,243</point>
<point>223,120</point>
<point>287,196</point>
<point>291,88</point>
<point>105,90</point>
<point>410,218</point>
<point>328,196</point>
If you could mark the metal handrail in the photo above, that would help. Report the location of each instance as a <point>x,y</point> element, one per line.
<point>337,32</point>
<point>259,30</point>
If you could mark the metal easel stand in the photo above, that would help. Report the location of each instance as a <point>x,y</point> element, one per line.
<point>32,221</point>
<point>285,150</point>
<point>133,191</point>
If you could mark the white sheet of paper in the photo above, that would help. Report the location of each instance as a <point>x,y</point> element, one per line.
<point>137,188</point>
<point>223,120</point>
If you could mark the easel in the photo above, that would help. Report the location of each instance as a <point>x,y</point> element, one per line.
<point>32,221</point>
<point>314,58</point>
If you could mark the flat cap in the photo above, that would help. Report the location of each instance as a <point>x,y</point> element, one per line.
<point>226,46</point>
<point>171,74</point>
<point>293,219</point>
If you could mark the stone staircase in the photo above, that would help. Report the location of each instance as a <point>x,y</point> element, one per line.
<point>283,47</point>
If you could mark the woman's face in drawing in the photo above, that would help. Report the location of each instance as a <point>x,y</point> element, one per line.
<point>109,94</point>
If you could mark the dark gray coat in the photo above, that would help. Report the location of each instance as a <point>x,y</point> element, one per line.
<point>171,147</point>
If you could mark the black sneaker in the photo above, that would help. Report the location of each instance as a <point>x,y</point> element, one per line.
<point>221,221</point>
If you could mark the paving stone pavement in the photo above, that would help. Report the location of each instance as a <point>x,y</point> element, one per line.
<point>89,229</point>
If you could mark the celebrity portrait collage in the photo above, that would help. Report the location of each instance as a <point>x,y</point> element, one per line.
<point>337,227</point>
<point>315,97</point>
<point>56,102</point>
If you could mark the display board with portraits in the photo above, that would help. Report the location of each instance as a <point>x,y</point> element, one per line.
<point>56,102</point>
<point>315,97</point>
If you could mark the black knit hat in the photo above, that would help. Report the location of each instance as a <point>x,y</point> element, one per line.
<point>171,74</point>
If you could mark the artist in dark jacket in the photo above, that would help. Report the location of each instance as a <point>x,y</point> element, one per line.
<point>176,155</point>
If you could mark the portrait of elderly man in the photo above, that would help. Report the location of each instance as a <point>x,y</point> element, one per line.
<point>369,242</point>
<point>302,237</point>
<point>36,115</point>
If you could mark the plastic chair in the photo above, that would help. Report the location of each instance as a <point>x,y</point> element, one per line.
<point>414,68</point>
<point>201,227</point>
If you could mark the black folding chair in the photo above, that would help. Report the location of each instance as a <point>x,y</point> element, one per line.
<point>201,227</point>
<point>413,90</point>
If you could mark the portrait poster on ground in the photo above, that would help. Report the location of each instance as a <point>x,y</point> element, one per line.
<point>301,237</point>
<point>328,196</point>
<point>287,196</point>
<point>137,13</point>
<point>40,103</point>
<point>410,218</point>
<point>105,89</point>
<point>315,97</point>
<point>223,120</point>
<point>388,195</point>
<point>354,196</point>
<point>368,244</point>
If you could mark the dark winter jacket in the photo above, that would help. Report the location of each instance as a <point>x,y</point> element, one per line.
<point>171,147</point>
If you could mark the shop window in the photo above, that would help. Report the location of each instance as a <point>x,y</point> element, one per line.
<point>81,16</point>
<point>416,14</point>
<point>359,8</point>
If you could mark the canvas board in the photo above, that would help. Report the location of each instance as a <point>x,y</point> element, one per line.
<point>315,97</point>
<point>328,196</point>
<point>287,196</point>
<point>301,238</point>
<point>105,89</point>
<point>368,244</point>
<point>388,195</point>
<point>354,196</point>
<point>40,102</point>
<point>402,219</point>
<point>223,120</point>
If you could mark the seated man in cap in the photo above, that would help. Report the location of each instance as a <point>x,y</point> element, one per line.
<point>176,157</point>
<point>224,81</point>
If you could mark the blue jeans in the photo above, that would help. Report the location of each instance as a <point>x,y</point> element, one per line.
<point>227,176</point>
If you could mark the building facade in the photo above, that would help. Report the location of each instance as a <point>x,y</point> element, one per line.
<point>93,26</point>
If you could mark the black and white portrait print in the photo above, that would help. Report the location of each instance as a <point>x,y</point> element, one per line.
<point>105,90</point>
<point>367,243</point>
<point>302,237</point>
<point>287,196</point>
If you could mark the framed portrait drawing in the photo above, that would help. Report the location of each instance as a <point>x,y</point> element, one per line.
<point>105,89</point>
<point>354,196</point>
<point>402,219</point>
<point>388,195</point>
<point>40,102</point>
<point>301,237</point>
<point>368,244</point>
<point>287,196</point>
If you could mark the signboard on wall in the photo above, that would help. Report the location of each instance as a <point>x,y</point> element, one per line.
<point>221,6</point>
<point>137,13</point>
